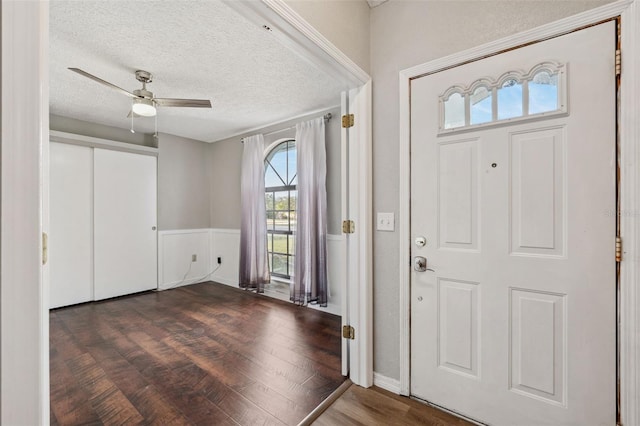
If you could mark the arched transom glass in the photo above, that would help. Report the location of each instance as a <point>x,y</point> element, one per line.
<point>513,96</point>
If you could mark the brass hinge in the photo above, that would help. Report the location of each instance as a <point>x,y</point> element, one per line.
<point>618,62</point>
<point>348,227</point>
<point>348,332</point>
<point>618,249</point>
<point>45,248</point>
<point>347,121</point>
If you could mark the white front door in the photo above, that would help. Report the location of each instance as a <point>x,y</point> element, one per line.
<point>515,323</point>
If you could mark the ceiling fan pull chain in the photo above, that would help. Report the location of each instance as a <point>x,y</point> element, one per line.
<point>156,134</point>
<point>132,131</point>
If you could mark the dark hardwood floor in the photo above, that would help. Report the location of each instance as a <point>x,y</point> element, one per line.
<point>378,407</point>
<point>203,354</point>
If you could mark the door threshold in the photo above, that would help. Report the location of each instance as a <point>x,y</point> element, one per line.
<point>313,416</point>
<point>446,410</point>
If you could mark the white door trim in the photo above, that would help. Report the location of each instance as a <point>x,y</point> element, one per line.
<point>24,319</point>
<point>359,244</point>
<point>629,132</point>
<point>302,38</point>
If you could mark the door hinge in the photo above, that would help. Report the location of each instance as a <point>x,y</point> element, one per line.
<point>348,227</point>
<point>348,332</point>
<point>347,121</point>
<point>618,249</point>
<point>618,62</point>
<point>45,248</point>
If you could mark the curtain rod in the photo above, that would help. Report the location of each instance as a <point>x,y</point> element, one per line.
<point>326,117</point>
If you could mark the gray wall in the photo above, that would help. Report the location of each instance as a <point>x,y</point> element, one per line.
<point>79,127</point>
<point>224,158</point>
<point>223,161</point>
<point>345,23</point>
<point>183,184</point>
<point>404,34</point>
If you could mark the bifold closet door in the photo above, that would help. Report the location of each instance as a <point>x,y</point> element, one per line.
<point>71,224</point>
<point>125,215</point>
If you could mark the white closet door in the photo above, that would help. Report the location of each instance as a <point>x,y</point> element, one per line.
<point>71,224</point>
<point>125,214</point>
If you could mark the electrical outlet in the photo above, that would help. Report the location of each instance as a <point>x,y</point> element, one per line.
<point>219,260</point>
<point>194,257</point>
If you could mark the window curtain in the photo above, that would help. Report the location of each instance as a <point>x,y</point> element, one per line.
<point>310,261</point>
<point>254,269</point>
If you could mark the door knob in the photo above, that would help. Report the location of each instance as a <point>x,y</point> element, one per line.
<point>420,264</point>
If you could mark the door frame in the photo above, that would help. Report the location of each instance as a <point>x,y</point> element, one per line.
<point>303,39</point>
<point>24,137</point>
<point>24,319</point>
<point>629,184</point>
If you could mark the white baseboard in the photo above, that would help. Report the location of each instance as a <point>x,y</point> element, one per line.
<point>386,383</point>
<point>225,281</point>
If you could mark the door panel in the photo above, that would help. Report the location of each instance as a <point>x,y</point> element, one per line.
<point>514,320</point>
<point>125,223</point>
<point>71,224</point>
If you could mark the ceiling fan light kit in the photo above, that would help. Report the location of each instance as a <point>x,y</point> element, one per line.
<point>144,107</point>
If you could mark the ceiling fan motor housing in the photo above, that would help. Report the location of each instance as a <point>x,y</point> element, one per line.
<point>143,93</point>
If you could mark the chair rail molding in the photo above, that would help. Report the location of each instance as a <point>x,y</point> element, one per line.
<point>629,134</point>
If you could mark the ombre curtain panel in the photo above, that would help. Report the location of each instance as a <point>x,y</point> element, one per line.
<point>254,269</point>
<point>310,263</point>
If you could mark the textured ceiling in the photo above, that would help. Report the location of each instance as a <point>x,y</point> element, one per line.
<point>194,49</point>
<point>375,3</point>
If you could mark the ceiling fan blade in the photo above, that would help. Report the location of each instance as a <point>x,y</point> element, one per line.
<point>101,81</point>
<point>190,103</point>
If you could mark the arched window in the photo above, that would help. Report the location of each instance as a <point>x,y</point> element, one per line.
<point>280,180</point>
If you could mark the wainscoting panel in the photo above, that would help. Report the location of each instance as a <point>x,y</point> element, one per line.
<point>225,243</point>
<point>335,264</point>
<point>176,250</point>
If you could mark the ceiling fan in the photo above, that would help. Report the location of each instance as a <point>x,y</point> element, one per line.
<point>144,103</point>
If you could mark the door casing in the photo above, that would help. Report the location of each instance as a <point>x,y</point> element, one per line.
<point>24,136</point>
<point>629,183</point>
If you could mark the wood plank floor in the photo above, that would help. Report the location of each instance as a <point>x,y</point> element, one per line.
<point>375,406</point>
<point>203,354</point>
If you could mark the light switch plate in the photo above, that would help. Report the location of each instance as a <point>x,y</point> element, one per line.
<point>385,222</point>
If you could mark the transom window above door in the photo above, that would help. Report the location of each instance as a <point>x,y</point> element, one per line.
<point>281,195</point>
<point>514,96</point>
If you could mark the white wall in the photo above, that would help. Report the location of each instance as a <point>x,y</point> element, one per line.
<point>345,23</point>
<point>176,248</point>
<point>404,34</point>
